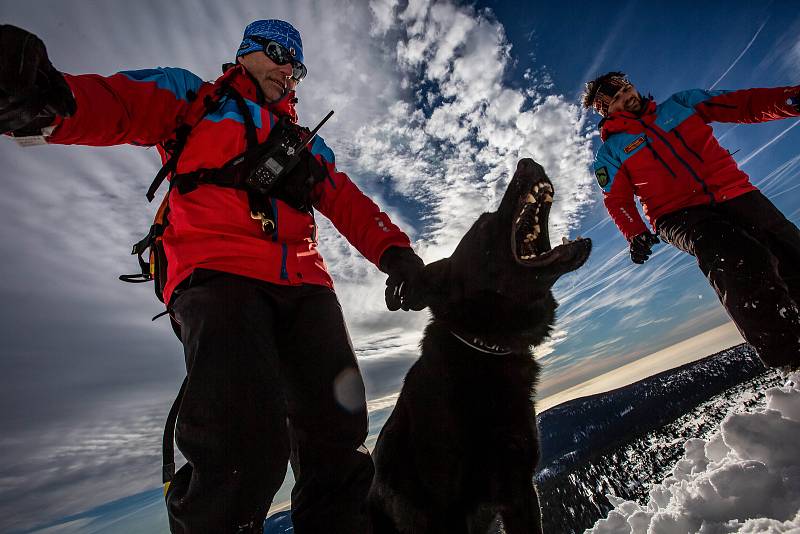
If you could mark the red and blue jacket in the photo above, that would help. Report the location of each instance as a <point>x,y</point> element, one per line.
<point>211,226</point>
<point>669,158</point>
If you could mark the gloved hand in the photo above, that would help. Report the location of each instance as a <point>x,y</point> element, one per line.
<point>31,89</point>
<point>795,101</point>
<point>404,285</point>
<point>641,247</point>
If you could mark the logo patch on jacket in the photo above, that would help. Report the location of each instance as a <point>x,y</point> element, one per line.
<point>602,176</point>
<point>633,146</point>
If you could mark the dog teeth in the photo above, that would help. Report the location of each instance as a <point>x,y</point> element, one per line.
<point>548,198</point>
<point>542,185</point>
<point>565,241</point>
<point>536,229</point>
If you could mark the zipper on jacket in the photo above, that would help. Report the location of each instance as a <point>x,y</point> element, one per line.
<point>285,252</point>
<point>658,157</point>
<point>274,217</point>
<point>680,159</point>
<point>313,235</point>
<point>680,138</point>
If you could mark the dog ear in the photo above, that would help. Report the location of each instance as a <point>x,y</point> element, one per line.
<point>436,281</point>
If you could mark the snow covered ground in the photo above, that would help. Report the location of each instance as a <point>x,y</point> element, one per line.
<point>744,479</point>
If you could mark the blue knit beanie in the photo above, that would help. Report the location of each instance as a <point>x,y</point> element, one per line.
<point>275,30</point>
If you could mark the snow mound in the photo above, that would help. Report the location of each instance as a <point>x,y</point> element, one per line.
<point>744,479</point>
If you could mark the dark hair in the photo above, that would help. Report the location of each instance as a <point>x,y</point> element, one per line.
<point>591,87</point>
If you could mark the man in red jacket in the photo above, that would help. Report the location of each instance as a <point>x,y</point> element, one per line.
<point>697,199</point>
<point>271,370</point>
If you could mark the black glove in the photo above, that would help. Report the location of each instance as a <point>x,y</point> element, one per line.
<point>641,247</point>
<point>404,285</point>
<point>31,89</point>
<point>794,101</point>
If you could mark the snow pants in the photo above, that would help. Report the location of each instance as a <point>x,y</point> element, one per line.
<point>271,377</point>
<point>750,254</point>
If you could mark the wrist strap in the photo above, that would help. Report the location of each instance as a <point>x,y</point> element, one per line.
<point>34,140</point>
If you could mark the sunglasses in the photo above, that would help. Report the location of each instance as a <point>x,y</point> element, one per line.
<point>279,55</point>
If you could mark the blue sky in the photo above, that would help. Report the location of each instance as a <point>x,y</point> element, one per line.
<point>434,105</point>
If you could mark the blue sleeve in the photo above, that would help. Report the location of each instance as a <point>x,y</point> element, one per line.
<point>605,167</point>
<point>693,97</point>
<point>319,148</point>
<point>177,81</point>
<point>141,107</point>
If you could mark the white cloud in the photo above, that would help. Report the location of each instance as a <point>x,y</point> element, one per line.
<point>67,467</point>
<point>457,156</point>
<point>383,14</point>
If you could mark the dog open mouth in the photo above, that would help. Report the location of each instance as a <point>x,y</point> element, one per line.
<point>530,238</point>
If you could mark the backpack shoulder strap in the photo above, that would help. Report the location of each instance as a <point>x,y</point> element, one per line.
<point>205,101</point>
<point>148,242</point>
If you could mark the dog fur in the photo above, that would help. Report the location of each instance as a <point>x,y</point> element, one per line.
<point>461,445</point>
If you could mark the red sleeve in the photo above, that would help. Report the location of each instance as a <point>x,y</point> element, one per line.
<point>354,214</point>
<point>750,105</point>
<point>620,203</point>
<point>138,107</point>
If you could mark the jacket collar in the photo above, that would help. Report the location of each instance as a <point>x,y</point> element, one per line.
<point>623,121</point>
<point>237,77</point>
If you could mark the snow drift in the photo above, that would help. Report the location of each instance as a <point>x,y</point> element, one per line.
<point>744,479</point>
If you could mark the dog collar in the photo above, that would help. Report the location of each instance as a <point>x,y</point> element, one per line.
<point>482,346</point>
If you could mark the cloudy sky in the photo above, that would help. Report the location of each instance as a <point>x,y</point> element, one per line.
<point>435,102</point>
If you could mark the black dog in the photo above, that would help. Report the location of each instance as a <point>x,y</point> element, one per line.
<point>461,445</point>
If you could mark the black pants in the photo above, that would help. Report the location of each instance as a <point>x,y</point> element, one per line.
<point>750,254</point>
<point>271,376</point>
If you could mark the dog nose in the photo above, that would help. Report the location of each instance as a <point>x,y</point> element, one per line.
<point>529,165</point>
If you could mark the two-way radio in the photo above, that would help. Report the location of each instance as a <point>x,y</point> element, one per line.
<point>282,156</point>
